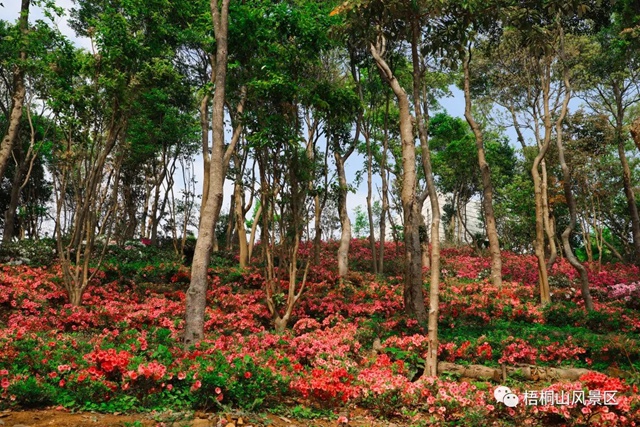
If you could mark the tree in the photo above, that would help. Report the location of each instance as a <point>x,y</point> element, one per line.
<point>342,106</point>
<point>567,179</point>
<point>40,73</point>
<point>196,295</point>
<point>94,105</point>
<point>611,89</point>
<point>19,90</point>
<point>487,185</point>
<point>455,159</point>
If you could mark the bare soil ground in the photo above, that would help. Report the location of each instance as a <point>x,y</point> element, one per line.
<point>63,418</point>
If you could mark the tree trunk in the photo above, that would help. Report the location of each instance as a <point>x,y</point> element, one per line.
<point>19,92</point>
<point>14,201</point>
<point>619,115</point>
<point>204,129</point>
<point>129,215</point>
<point>252,235</point>
<point>547,217</point>
<point>372,236</point>
<point>631,198</point>
<point>487,187</point>
<point>568,194</point>
<point>345,222</point>
<point>231,220</point>
<point>385,189</point>
<point>413,297</point>
<point>196,295</point>
<point>239,217</point>
<point>431,362</point>
<point>543,280</point>
<point>317,226</point>
<point>424,242</point>
<point>586,238</point>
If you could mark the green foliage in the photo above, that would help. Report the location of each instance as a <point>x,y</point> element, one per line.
<point>563,313</point>
<point>361,225</point>
<point>306,413</point>
<point>140,264</point>
<point>515,213</point>
<point>27,251</point>
<point>241,382</point>
<point>602,321</point>
<point>135,252</point>
<point>455,160</point>
<point>32,393</point>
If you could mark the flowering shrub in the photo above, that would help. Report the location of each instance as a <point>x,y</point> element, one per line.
<point>518,351</point>
<point>28,252</point>
<point>629,293</point>
<point>122,349</point>
<point>329,386</point>
<point>108,363</point>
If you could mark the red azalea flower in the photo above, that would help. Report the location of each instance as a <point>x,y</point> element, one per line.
<point>196,385</point>
<point>247,375</point>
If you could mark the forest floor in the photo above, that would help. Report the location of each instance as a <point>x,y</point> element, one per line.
<point>65,418</point>
<point>350,351</point>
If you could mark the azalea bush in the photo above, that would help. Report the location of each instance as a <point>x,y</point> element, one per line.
<point>350,342</point>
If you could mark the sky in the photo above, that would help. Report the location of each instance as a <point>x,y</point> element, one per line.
<point>454,105</point>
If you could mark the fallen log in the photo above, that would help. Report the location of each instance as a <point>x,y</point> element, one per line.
<point>479,372</point>
<point>523,371</point>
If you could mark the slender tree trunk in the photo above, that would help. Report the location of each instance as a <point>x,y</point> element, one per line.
<point>586,238</point>
<point>631,198</point>
<point>367,136</point>
<point>129,215</point>
<point>545,294</point>
<point>252,235</point>
<point>413,297</point>
<point>372,236</point>
<point>424,242</point>
<point>231,219</point>
<point>19,92</point>
<point>14,201</point>
<point>317,226</point>
<point>196,295</point>
<point>431,362</point>
<point>385,189</point>
<point>571,201</point>
<point>547,216</point>
<point>145,209</point>
<point>239,216</point>
<point>487,187</point>
<point>345,222</point>
<point>21,180</point>
<point>204,129</point>
<point>626,171</point>
<point>319,203</point>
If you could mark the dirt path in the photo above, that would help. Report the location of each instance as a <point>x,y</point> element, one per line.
<point>62,418</point>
